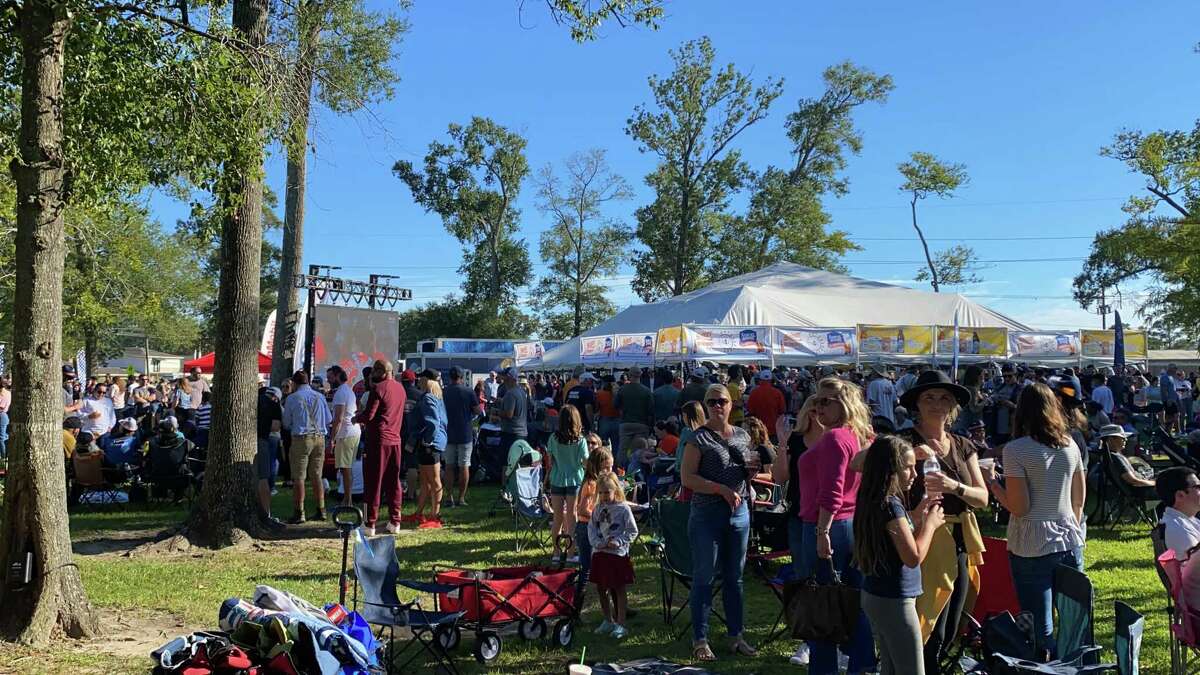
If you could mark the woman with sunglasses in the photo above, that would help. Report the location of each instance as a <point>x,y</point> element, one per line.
<point>717,465</point>
<point>828,490</point>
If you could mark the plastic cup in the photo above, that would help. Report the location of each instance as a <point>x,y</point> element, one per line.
<point>579,669</point>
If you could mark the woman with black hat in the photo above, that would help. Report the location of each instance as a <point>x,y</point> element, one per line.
<point>948,464</point>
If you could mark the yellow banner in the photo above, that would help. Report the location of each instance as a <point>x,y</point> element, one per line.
<point>973,341</point>
<point>671,342</point>
<point>1102,343</point>
<point>895,340</point>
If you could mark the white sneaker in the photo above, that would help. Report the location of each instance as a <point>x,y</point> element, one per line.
<point>367,531</point>
<point>391,528</point>
<point>800,658</point>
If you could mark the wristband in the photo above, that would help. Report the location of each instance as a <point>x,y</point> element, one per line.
<point>960,490</point>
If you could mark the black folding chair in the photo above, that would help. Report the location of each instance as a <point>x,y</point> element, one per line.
<point>674,552</point>
<point>1127,637</point>
<point>1115,497</point>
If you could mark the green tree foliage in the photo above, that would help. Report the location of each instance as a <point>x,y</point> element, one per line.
<point>926,175</point>
<point>459,317</point>
<point>582,246</point>
<point>786,220</point>
<point>473,182</point>
<point>585,17</point>
<point>954,266</point>
<point>1160,240</point>
<point>698,112</point>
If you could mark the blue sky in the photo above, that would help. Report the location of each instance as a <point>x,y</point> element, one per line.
<point>1023,93</point>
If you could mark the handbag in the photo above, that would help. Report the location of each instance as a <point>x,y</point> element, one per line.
<point>826,612</point>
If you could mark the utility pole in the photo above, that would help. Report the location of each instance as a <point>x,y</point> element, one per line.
<point>1103,309</point>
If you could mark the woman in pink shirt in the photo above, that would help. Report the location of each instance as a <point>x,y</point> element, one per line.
<point>828,487</point>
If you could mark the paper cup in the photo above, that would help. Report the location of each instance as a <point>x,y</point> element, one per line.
<point>579,669</point>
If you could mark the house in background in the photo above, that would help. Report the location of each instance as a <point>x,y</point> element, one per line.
<point>143,361</point>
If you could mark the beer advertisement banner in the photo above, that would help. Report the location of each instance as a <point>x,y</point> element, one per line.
<point>818,343</point>
<point>635,347</point>
<point>895,340</point>
<point>973,341</point>
<point>1043,344</point>
<point>596,350</point>
<point>527,353</point>
<point>1101,344</point>
<point>671,342</point>
<point>735,342</point>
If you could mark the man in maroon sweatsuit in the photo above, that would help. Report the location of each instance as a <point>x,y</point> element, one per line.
<point>382,419</point>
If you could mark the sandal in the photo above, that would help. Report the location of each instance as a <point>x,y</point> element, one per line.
<point>702,652</point>
<point>740,646</point>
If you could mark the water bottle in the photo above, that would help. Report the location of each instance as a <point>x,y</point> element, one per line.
<point>931,466</point>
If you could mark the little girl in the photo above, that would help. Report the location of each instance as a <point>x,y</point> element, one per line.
<point>610,532</point>
<point>599,462</point>
<point>889,550</point>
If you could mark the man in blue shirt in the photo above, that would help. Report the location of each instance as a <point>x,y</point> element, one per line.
<point>462,406</point>
<point>307,417</point>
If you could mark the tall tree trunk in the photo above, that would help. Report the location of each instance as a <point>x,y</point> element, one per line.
<point>929,260</point>
<point>681,256</point>
<point>577,327</point>
<point>292,253</point>
<point>227,503</point>
<point>35,500</point>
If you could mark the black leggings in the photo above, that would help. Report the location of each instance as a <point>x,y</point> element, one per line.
<point>946,629</point>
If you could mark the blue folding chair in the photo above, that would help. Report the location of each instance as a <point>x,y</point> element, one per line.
<point>1127,636</point>
<point>530,520</point>
<point>377,572</point>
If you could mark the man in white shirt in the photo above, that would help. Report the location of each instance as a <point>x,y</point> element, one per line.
<point>345,432</point>
<point>1102,394</point>
<point>1179,489</point>
<point>97,413</point>
<point>491,387</point>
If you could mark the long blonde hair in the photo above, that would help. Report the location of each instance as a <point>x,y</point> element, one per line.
<point>609,482</point>
<point>430,386</point>
<point>854,409</point>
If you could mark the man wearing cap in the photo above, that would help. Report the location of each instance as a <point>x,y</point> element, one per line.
<point>766,402</point>
<point>1102,394</point>
<point>70,405</point>
<point>306,415</point>
<point>881,396</point>
<point>1004,402</point>
<point>514,411</point>
<point>635,402</point>
<point>412,422</point>
<point>121,445</point>
<point>345,432</point>
<point>583,397</point>
<point>696,387</point>
<point>570,384</point>
<point>462,406</point>
<point>270,422</point>
<point>383,420</point>
<point>1113,437</point>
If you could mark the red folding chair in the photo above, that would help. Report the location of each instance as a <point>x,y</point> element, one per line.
<point>1185,620</point>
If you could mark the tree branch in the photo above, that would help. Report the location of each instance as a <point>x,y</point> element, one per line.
<point>181,25</point>
<point>1167,198</point>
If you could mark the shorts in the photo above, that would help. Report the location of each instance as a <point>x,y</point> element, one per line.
<point>567,491</point>
<point>307,456</point>
<point>344,451</point>
<point>458,454</point>
<point>428,455</point>
<point>264,458</point>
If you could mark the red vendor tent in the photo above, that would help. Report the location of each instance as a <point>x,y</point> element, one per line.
<point>205,363</point>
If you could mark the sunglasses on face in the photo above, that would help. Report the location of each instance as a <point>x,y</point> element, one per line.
<point>825,400</point>
<point>717,402</point>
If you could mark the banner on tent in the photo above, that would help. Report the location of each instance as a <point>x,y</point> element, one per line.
<point>1102,344</point>
<point>671,342</point>
<point>1043,344</point>
<point>596,350</point>
<point>635,347</point>
<point>528,353</point>
<point>740,342</point>
<point>814,342</point>
<point>973,341</point>
<point>895,340</point>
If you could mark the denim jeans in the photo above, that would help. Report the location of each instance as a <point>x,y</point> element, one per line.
<point>718,538</point>
<point>861,648</point>
<point>3,434</point>
<point>1034,579</point>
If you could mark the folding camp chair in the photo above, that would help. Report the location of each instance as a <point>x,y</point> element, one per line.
<point>1127,637</point>
<point>377,572</point>
<point>1185,621</point>
<point>531,520</point>
<point>1073,603</point>
<point>90,486</point>
<point>769,544</point>
<point>674,552</point>
<point>1115,497</point>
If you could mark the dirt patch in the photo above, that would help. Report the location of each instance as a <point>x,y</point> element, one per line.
<point>116,542</point>
<point>134,633</point>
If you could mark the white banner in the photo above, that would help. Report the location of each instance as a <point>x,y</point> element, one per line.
<point>635,348</point>
<point>527,353</point>
<point>742,343</point>
<point>816,343</point>
<point>1043,344</point>
<point>267,344</point>
<point>596,350</point>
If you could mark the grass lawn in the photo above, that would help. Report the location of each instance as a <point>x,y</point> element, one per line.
<point>180,592</point>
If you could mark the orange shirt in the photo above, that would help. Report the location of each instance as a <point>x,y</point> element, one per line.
<point>585,502</point>
<point>604,403</point>
<point>668,445</point>
<point>767,404</point>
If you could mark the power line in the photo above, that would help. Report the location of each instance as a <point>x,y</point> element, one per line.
<point>852,237</point>
<point>980,262</point>
<point>960,205</point>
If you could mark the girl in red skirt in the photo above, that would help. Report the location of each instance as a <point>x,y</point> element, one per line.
<point>611,531</point>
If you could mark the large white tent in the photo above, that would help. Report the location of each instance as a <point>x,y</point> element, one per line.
<point>786,294</point>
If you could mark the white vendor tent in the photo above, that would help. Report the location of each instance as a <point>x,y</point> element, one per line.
<point>790,295</point>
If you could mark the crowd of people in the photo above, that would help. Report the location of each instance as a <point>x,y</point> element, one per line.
<point>883,472</point>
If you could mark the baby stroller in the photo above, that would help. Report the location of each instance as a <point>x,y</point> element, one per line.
<point>492,599</point>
